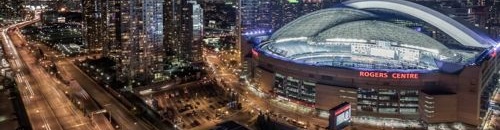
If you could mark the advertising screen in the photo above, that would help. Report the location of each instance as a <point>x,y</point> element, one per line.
<point>340,116</point>
<point>343,117</point>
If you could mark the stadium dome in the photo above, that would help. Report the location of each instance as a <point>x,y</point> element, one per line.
<point>358,37</point>
<point>386,58</point>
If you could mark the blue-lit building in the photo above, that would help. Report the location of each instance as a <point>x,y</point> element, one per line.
<point>258,15</point>
<point>255,15</point>
<point>388,58</point>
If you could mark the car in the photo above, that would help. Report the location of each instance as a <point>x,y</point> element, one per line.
<point>298,123</point>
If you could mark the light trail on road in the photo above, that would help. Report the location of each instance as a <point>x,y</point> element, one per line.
<point>31,99</point>
<point>47,108</point>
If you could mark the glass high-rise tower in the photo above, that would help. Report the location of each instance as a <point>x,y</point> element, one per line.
<point>183,20</point>
<point>132,36</point>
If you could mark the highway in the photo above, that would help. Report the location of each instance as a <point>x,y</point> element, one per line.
<point>44,96</point>
<point>68,115</point>
<point>39,112</point>
<point>118,112</point>
<point>124,117</point>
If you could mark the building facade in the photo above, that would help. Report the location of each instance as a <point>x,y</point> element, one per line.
<point>93,25</point>
<point>259,15</point>
<point>11,9</point>
<point>285,11</point>
<point>130,33</point>
<point>493,21</point>
<point>249,12</point>
<point>69,5</point>
<point>386,61</point>
<point>183,29</point>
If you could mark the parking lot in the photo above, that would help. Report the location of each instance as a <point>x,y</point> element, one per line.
<point>193,106</point>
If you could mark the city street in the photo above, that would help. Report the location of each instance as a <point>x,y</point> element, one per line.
<point>252,102</point>
<point>493,114</point>
<point>124,117</point>
<point>118,112</point>
<point>257,101</point>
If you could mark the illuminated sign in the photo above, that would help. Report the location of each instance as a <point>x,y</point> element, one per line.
<point>255,53</point>
<point>386,75</point>
<point>494,53</point>
<point>293,1</point>
<point>341,110</point>
<point>340,116</point>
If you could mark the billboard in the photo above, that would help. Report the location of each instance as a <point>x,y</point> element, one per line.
<point>340,116</point>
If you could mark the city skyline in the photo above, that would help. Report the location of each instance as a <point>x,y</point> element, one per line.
<point>249,64</point>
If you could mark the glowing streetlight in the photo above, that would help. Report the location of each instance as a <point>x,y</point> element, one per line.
<point>63,9</point>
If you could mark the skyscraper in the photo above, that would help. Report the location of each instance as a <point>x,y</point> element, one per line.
<point>494,21</point>
<point>132,36</point>
<point>249,12</point>
<point>257,15</point>
<point>183,31</point>
<point>154,52</point>
<point>92,25</point>
<point>70,5</point>
<point>264,15</point>
<point>11,9</point>
<point>286,11</point>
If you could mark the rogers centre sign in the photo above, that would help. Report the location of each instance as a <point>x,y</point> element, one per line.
<point>388,75</point>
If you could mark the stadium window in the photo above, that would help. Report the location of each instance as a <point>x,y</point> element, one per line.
<point>324,77</point>
<point>270,65</point>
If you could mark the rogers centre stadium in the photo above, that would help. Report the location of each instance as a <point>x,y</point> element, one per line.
<point>387,58</point>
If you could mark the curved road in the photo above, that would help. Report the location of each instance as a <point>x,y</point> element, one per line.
<point>47,106</point>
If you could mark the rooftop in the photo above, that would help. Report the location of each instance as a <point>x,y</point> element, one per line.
<point>230,125</point>
<point>357,38</point>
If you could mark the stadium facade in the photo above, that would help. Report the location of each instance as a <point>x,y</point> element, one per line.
<point>388,58</point>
